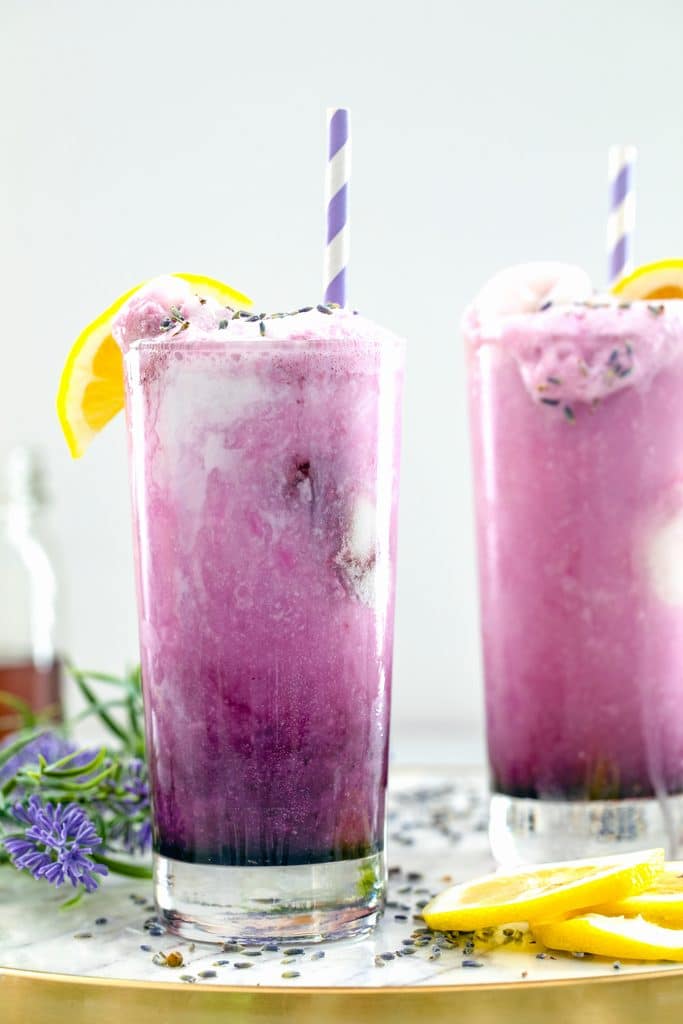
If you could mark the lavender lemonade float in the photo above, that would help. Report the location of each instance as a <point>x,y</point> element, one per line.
<point>264,459</point>
<point>577,436</point>
<point>264,455</point>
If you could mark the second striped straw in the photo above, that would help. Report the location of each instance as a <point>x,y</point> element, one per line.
<point>622,212</point>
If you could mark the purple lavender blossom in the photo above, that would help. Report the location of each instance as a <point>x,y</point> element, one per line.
<point>57,843</point>
<point>130,800</point>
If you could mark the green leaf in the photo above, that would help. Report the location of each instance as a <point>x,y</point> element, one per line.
<point>56,770</point>
<point>121,867</point>
<point>68,904</point>
<point>76,787</point>
<point>103,715</point>
<point>24,710</point>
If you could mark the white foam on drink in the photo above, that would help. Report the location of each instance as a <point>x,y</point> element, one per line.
<point>664,556</point>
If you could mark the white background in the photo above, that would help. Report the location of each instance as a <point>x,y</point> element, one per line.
<point>143,136</point>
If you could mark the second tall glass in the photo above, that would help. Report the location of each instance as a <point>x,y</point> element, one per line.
<point>577,428</point>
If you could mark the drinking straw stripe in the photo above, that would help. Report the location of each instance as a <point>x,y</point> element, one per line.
<point>337,205</point>
<point>622,211</point>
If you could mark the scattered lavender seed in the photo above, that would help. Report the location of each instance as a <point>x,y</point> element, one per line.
<point>262,329</point>
<point>544,306</point>
<point>408,942</point>
<point>190,978</point>
<point>550,401</point>
<point>288,960</point>
<point>391,904</point>
<point>305,309</point>
<point>207,974</point>
<point>421,904</point>
<point>251,952</point>
<point>379,962</point>
<point>222,324</point>
<point>414,876</point>
<point>323,309</point>
<point>409,950</point>
<point>404,889</point>
<point>318,955</point>
<point>616,965</point>
<point>435,953</point>
<point>156,930</point>
<point>271,948</point>
<point>525,974</point>
<point>220,963</point>
<point>388,956</point>
<point>569,414</point>
<point>100,920</point>
<point>291,974</point>
<point>83,935</point>
<point>241,965</point>
<point>472,963</point>
<point>294,951</point>
<point>231,947</point>
<point>400,917</point>
<point>656,310</point>
<point>394,871</point>
<point>145,948</point>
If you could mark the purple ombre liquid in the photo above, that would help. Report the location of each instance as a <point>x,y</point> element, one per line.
<point>265,485</point>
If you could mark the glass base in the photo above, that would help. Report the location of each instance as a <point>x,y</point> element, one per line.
<point>296,903</point>
<point>524,831</point>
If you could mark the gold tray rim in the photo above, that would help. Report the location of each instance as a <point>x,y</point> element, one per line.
<point>139,984</point>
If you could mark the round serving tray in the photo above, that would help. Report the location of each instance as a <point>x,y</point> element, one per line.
<point>94,963</point>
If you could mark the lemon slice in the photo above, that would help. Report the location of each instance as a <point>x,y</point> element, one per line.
<point>662,280</point>
<point>91,386</point>
<point>662,903</point>
<point>542,892</point>
<point>629,937</point>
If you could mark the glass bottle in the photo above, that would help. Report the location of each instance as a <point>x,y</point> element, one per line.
<point>29,664</point>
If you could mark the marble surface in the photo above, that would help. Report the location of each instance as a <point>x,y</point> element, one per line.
<point>437,833</point>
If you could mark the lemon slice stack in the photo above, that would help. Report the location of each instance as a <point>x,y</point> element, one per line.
<point>628,906</point>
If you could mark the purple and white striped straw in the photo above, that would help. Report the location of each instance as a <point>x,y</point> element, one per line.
<point>622,212</point>
<point>337,205</point>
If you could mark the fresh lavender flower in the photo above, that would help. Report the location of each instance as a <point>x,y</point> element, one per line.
<point>57,843</point>
<point>130,801</point>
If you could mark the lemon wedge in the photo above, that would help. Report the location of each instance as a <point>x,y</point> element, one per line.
<point>661,903</point>
<point>91,386</point>
<point>543,892</point>
<point>630,938</point>
<point>652,281</point>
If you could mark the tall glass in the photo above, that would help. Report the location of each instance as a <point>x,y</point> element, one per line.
<point>265,486</point>
<point>577,435</point>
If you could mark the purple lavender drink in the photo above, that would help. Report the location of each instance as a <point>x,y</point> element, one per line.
<point>264,460</point>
